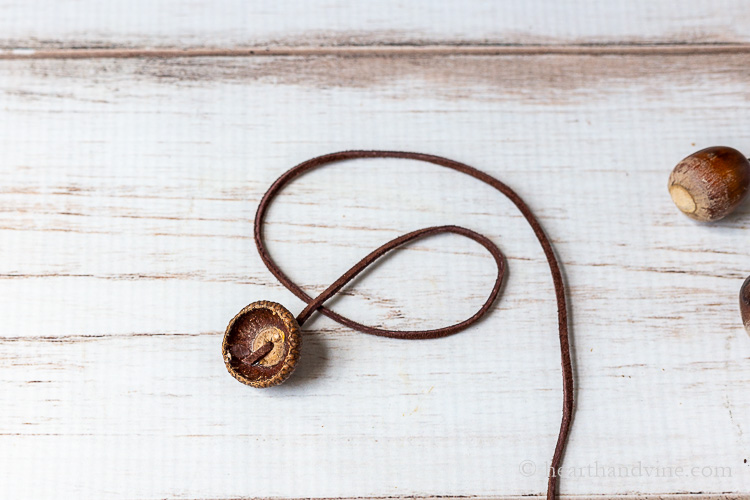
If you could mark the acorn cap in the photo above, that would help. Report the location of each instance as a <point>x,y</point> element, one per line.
<point>262,344</point>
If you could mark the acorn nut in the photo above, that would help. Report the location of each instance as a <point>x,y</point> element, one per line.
<point>262,344</point>
<point>710,184</point>
<point>745,304</point>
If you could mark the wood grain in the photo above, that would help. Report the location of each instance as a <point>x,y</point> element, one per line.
<point>129,187</point>
<point>690,49</point>
<point>45,24</point>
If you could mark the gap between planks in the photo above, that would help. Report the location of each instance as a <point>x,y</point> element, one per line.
<point>666,496</point>
<point>379,51</point>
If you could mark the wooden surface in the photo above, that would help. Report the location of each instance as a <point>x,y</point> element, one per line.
<point>128,190</point>
<point>230,23</point>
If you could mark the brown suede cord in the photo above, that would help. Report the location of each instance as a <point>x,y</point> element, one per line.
<point>316,304</point>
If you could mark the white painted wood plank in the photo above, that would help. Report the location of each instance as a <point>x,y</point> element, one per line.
<point>232,23</point>
<point>128,192</point>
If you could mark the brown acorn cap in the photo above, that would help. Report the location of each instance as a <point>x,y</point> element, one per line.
<point>745,304</point>
<point>264,329</point>
<point>709,184</point>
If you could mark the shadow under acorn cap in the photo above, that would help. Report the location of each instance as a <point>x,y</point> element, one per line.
<point>261,345</point>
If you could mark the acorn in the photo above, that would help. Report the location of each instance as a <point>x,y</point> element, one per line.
<point>710,184</point>
<point>745,304</point>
